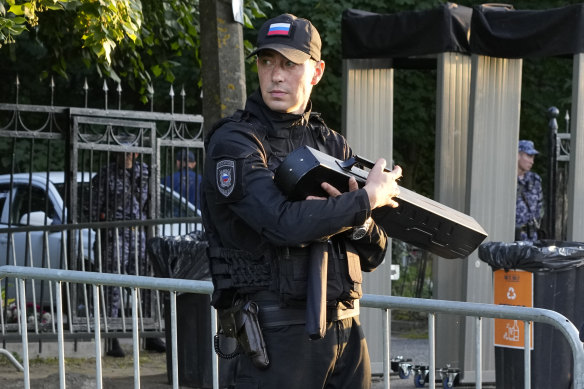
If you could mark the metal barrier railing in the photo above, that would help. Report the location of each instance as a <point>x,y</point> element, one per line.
<point>385,303</point>
<point>174,286</point>
<point>479,311</point>
<point>37,248</point>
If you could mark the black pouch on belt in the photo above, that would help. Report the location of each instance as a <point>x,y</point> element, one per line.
<point>316,291</point>
<point>241,322</point>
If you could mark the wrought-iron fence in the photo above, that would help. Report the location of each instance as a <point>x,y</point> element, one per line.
<point>69,201</point>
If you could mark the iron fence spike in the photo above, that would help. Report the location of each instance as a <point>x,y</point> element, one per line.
<point>567,118</point>
<point>171,99</point>
<point>85,89</point>
<point>17,87</point>
<point>183,94</point>
<point>52,86</point>
<point>105,89</point>
<point>119,90</point>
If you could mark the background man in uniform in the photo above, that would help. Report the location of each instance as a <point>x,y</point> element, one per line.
<point>529,202</point>
<point>261,245</point>
<point>185,180</point>
<point>120,192</point>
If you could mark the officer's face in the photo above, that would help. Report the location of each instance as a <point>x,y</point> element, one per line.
<point>524,162</point>
<point>126,159</point>
<point>286,85</point>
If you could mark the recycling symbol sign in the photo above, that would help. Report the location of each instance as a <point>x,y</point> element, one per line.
<point>511,295</point>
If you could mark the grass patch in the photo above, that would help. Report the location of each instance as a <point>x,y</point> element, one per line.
<point>415,334</point>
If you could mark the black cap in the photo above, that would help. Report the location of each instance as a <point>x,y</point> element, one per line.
<point>294,38</point>
<point>185,156</point>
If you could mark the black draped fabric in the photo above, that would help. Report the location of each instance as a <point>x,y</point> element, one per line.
<point>503,33</point>
<point>405,34</point>
<point>491,30</point>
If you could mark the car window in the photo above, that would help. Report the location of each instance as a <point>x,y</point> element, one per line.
<point>83,193</point>
<point>4,192</point>
<point>32,199</point>
<point>171,204</point>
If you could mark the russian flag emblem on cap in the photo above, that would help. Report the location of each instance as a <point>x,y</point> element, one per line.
<point>279,29</point>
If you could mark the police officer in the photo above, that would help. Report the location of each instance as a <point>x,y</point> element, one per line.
<point>529,202</point>
<point>261,244</point>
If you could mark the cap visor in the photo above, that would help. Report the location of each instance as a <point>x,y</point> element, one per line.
<point>293,55</point>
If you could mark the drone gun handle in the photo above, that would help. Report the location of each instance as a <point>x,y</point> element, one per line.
<point>368,163</point>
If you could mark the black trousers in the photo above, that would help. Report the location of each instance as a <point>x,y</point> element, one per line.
<point>340,360</point>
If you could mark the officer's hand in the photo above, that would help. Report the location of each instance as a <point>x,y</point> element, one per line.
<point>332,191</point>
<point>381,186</point>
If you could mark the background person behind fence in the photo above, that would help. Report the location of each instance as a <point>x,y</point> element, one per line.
<point>529,202</point>
<point>120,192</point>
<point>185,180</point>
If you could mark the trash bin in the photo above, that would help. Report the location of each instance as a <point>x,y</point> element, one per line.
<point>185,257</point>
<point>557,285</point>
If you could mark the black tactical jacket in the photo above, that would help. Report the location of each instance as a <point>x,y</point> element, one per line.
<point>252,225</point>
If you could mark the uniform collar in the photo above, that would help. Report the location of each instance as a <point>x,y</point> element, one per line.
<point>279,124</point>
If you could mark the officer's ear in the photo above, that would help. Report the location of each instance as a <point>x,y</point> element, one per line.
<point>318,72</point>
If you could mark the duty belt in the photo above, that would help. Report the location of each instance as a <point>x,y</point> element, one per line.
<point>271,314</point>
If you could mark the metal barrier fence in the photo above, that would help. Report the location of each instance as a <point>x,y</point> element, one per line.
<point>37,246</point>
<point>174,286</point>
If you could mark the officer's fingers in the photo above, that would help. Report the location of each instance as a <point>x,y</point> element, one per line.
<point>315,198</point>
<point>376,172</point>
<point>331,190</point>
<point>397,172</point>
<point>379,165</point>
<point>353,184</point>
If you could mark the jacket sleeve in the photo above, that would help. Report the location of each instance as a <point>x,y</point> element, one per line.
<point>372,248</point>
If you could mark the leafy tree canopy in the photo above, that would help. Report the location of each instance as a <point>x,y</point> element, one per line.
<point>134,40</point>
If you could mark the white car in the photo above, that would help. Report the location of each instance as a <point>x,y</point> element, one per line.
<point>24,203</point>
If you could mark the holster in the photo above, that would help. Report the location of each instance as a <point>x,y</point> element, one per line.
<point>241,322</point>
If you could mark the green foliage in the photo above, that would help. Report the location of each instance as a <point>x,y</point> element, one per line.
<point>14,19</point>
<point>141,42</point>
<point>415,271</point>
